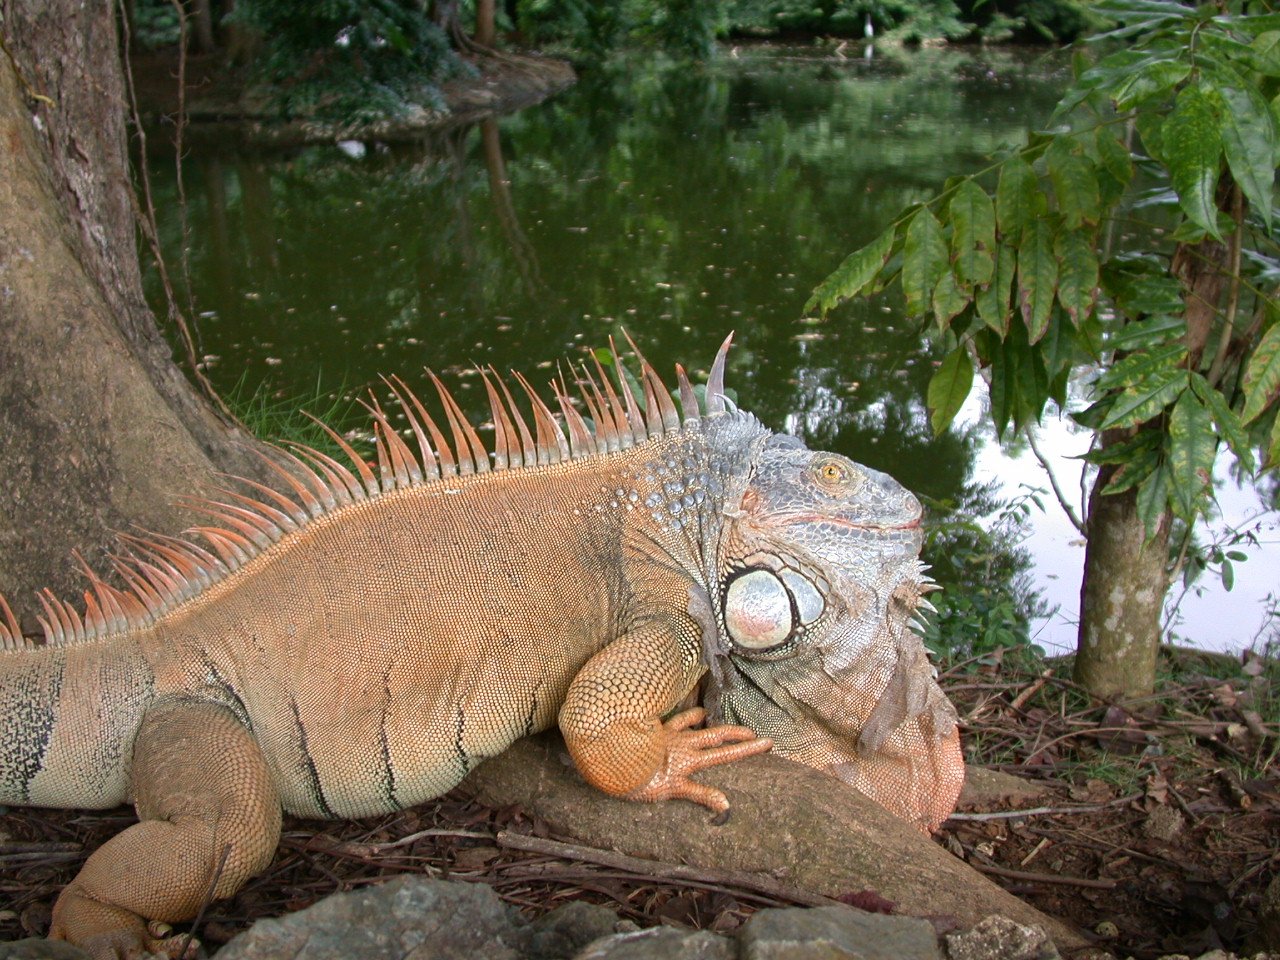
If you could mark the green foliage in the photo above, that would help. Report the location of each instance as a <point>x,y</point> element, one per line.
<point>986,602</point>
<point>299,419</point>
<point>155,24</point>
<point>909,20</point>
<point>1173,138</point>
<point>348,61</point>
<point>681,27</point>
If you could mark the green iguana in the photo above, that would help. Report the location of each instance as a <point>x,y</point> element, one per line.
<point>358,646</point>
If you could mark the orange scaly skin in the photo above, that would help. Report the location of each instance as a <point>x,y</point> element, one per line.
<point>358,647</point>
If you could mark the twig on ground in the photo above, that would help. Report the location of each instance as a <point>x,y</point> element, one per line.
<point>663,871</point>
<point>1099,884</point>
<point>1021,699</point>
<point>1043,811</point>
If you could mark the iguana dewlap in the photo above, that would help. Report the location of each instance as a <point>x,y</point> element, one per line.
<point>358,646</point>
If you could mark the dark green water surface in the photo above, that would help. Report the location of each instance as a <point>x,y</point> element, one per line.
<point>678,201</point>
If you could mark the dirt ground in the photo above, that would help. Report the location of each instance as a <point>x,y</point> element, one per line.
<point>1150,832</point>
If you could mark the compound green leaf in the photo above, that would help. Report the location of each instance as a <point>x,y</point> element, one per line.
<point>1074,182</point>
<point>1261,382</point>
<point>973,239</point>
<point>1003,386</point>
<point>1264,53</point>
<point>1149,81</point>
<point>1037,277</point>
<point>1153,500</point>
<point>992,300</point>
<point>1150,125</point>
<point>1273,448</point>
<point>856,273</point>
<point>1115,157</point>
<point>1134,370</point>
<point>948,299</point>
<point>1226,420</point>
<point>1152,332</point>
<point>1140,403</point>
<point>1115,168</point>
<point>1193,446</point>
<point>1077,273</point>
<point>924,260</point>
<point>1135,468</point>
<point>1018,197</point>
<point>949,388</point>
<point>1249,142</point>
<point>1145,441</point>
<point>1191,148</point>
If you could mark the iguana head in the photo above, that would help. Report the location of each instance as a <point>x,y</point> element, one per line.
<point>819,580</point>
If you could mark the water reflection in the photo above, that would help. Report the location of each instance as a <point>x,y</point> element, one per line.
<point>679,202</point>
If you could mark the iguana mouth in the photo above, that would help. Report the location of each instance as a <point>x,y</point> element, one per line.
<point>796,518</point>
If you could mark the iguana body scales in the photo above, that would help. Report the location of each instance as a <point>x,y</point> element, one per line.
<point>358,646</point>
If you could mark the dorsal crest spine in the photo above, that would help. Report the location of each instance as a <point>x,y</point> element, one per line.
<point>163,572</point>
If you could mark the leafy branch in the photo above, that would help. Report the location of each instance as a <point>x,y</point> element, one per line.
<point>1016,265</point>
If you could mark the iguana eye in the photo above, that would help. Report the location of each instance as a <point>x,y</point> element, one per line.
<point>757,610</point>
<point>831,472</point>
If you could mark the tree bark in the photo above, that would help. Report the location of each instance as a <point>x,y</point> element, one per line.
<point>486,29</point>
<point>99,429</point>
<point>1122,597</point>
<point>206,40</point>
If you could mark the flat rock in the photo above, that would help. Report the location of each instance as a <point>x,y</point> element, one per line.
<point>999,938</point>
<point>789,821</point>
<point>836,933</point>
<point>993,789</point>
<point>37,948</point>
<point>661,943</point>
<point>408,918</point>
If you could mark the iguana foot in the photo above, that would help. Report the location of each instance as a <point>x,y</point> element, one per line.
<point>119,934</point>
<point>688,751</point>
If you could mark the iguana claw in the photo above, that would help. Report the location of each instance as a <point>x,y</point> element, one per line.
<point>688,751</point>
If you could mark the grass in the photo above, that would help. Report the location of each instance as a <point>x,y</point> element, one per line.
<point>294,419</point>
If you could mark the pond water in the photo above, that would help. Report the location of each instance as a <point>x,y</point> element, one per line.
<point>678,202</point>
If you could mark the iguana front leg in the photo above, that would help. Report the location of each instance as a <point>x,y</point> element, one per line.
<point>612,718</point>
<point>202,789</point>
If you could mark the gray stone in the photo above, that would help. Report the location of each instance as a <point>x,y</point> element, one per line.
<point>1268,936</point>
<point>37,948</point>
<point>566,930</point>
<point>836,933</point>
<point>999,938</point>
<point>660,943</point>
<point>408,918</point>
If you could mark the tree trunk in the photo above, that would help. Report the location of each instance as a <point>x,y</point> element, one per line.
<point>1122,597</point>
<point>99,429</point>
<point>206,41</point>
<point>486,29</point>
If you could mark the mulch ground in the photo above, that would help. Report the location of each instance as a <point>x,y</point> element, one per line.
<point>1156,831</point>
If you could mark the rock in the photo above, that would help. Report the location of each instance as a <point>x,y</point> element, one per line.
<point>37,948</point>
<point>991,789</point>
<point>1268,935</point>
<point>568,929</point>
<point>1163,823</point>
<point>835,933</point>
<point>660,943</point>
<point>789,821</point>
<point>408,918</point>
<point>999,938</point>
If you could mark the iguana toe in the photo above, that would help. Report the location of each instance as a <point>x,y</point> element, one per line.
<point>688,751</point>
